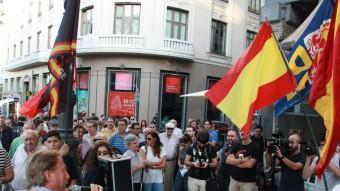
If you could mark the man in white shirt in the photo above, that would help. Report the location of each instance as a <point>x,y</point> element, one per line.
<point>170,144</point>
<point>19,160</point>
<point>177,131</point>
<point>88,138</point>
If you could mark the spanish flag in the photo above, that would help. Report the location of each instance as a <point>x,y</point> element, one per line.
<point>325,91</point>
<point>257,79</point>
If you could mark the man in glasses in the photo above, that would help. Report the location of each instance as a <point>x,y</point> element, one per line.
<point>170,142</point>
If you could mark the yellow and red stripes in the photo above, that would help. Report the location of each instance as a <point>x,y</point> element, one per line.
<point>325,92</point>
<point>258,78</point>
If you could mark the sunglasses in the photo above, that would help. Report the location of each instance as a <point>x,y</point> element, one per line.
<point>171,129</point>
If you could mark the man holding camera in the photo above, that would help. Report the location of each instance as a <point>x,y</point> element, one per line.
<point>291,165</point>
<point>201,158</point>
<point>243,158</point>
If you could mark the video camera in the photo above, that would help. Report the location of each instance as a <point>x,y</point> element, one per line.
<point>310,149</point>
<point>277,141</point>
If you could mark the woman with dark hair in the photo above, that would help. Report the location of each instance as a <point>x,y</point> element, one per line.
<point>154,157</point>
<point>93,172</point>
<point>143,124</point>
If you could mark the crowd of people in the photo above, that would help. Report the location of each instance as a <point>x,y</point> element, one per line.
<point>173,160</point>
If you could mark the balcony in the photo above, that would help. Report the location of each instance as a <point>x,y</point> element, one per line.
<point>36,58</point>
<point>134,44</point>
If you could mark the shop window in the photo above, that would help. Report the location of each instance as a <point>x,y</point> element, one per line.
<point>123,93</point>
<point>83,91</point>
<point>172,106</point>
<point>211,111</point>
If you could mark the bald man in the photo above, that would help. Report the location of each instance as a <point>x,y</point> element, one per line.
<point>292,165</point>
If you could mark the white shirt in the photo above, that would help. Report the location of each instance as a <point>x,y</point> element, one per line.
<point>135,159</point>
<point>19,162</point>
<point>153,175</point>
<point>170,145</point>
<point>332,179</point>
<point>178,132</point>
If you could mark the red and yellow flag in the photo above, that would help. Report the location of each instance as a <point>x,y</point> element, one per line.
<point>259,78</point>
<point>325,92</point>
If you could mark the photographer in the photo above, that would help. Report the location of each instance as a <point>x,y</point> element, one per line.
<point>243,158</point>
<point>291,165</point>
<point>331,173</point>
<point>201,158</point>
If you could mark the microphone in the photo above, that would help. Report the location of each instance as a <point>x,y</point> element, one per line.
<point>79,188</point>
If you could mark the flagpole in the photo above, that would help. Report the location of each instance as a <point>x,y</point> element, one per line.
<point>309,123</point>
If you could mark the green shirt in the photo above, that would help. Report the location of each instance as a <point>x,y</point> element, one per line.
<point>16,142</point>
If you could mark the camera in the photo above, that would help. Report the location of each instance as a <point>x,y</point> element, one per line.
<point>272,144</point>
<point>310,149</point>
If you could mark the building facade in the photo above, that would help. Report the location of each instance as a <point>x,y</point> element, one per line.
<point>134,57</point>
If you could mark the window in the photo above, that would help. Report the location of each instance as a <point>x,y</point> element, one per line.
<point>30,13</point>
<point>218,37</point>
<point>176,24</point>
<point>14,50</point>
<point>35,83</point>
<point>6,85</point>
<point>83,91</point>
<point>11,85</point>
<point>123,93</point>
<point>49,38</point>
<point>254,6</point>
<point>21,47</point>
<point>29,45</point>
<point>127,19</point>
<point>87,22</point>
<point>18,84</point>
<point>46,79</point>
<point>38,39</point>
<point>250,37</point>
<point>50,5</point>
<point>211,111</point>
<point>171,105</point>
<point>39,8</point>
<point>227,1</point>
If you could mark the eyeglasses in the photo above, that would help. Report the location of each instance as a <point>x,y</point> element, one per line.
<point>102,153</point>
<point>171,129</point>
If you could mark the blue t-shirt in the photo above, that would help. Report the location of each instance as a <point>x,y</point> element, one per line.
<point>117,141</point>
<point>213,136</point>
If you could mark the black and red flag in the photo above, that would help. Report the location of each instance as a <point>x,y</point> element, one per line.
<point>61,65</point>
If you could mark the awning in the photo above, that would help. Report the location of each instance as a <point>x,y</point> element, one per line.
<point>6,101</point>
<point>195,94</point>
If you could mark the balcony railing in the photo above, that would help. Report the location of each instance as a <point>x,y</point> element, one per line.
<point>134,44</point>
<point>178,46</point>
<point>34,58</point>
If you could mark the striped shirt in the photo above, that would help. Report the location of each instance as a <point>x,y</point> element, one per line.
<point>117,141</point>
<point>5,162</point>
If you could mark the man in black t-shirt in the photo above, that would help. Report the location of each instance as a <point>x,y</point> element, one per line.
<point>243,158</point>
<point>201,158</point>
<point>224,169</point>
<point>292,165</point>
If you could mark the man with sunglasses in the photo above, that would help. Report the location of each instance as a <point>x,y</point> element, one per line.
<point>201,158</point>
<point>170,142</point>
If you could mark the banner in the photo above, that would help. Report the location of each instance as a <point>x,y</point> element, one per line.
<point>83,100</point>
<point>121,104</point>
<point>123,81</point>
<point>173,84</point>
<point>84,80</point>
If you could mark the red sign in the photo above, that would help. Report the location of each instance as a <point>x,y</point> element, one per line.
<point>84,80</point>
<point>121,104</point>
<point>173,84</point>
<point>123,81</point>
